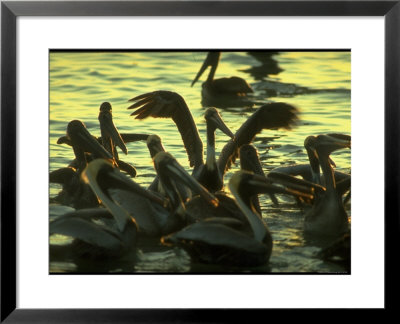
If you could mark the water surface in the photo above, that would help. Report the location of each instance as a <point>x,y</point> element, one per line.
<point>317,83</point>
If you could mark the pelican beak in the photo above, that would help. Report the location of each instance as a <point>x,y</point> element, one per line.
<point>180,174</point>
<point>108,130</point>
<point>171,168</point>
<point>314,164</point>
<point>211,59</point>
<point>295,186</point>
<point>101,175</point>
<point>219,123</point>
<point>332,142</point>
<point>269,185</point>
<point>201,71</point>
<point>64,140</point>
<point>80,137</point>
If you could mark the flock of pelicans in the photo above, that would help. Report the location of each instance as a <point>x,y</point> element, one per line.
<point>114,214</point>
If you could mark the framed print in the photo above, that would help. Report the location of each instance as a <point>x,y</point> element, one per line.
<point>318,82</point>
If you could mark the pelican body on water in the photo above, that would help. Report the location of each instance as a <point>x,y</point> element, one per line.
<point>222,92</point>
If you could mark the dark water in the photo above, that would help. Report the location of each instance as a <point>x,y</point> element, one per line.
<point>317,83</point>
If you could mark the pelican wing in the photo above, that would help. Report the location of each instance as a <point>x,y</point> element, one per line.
<point>167,104</point>
<point>270,116</point>
<point>79,225</point>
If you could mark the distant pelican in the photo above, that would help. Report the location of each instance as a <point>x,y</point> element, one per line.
<point>328,216</point>
<point>222,240</point>
<point>223,92</point>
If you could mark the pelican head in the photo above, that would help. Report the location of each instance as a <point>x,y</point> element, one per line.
<point>170,171</point>
<point>154,145</point>
<point>81,138</point>
<point>213,118</point>
<point>212,60</point>
<point>107,127</point>
<point>249,159</point>
<point>328,143</point>
<point>246,184</point>
<point>243,186</point>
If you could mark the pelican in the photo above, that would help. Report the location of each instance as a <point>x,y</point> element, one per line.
<point>224,92</point>
<point>154,215</point>
<point>172,105</point>
<point>327,215</point>
<point>310,171</point>
<point>82,141</point>
<point>100,233</point>
<point>222,240</point>
<point>74,193</point>
<point>199,209</point>
<point>110,139</point>
<point>209,174</point>
<point>96,233</point>
<point>164,104</point>
<point>250,161</point>
<point>269,116</point>
<point>155,146</point>
<point>109,133</point>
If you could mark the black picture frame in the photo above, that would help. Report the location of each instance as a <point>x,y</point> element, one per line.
<point>10,10</point>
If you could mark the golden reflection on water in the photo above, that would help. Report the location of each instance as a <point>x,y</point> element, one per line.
<point>81,81</point>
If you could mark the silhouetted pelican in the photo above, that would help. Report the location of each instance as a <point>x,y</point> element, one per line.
<point>221,240</point>
<point>100,233</point>
<point>249,161</point>
<point>223,92</point>
<point>310,171</point>
<point>269,116</point>
<point>74,193</point>
<point>110,139</point>
<point>109,133</point>
<point>155,146</point>
<point>115,189</point>
<point>198,209</point>
<point>327,215</point>
<point>97,234</point>
<point>170,104</point>
<point>154,215</point>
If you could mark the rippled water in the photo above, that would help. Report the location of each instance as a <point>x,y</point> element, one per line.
<point>317,83</point>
